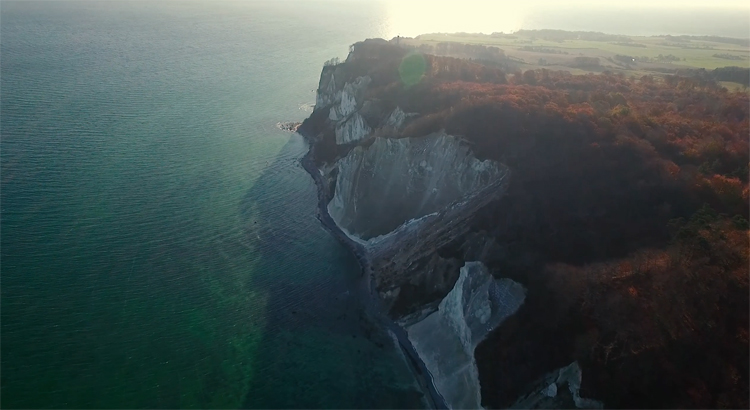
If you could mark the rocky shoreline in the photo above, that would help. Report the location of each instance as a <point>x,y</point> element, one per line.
<point>373,302</point>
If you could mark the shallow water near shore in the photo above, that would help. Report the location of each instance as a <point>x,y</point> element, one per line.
<point>159,241</point>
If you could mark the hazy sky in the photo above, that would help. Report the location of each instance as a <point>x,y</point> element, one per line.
<point>677,4</point>
<point>717,17</point>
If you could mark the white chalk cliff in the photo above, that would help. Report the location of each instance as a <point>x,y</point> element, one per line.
<point>558,389</point>
<point>398,118</point>
<point>327,92</point>
<point>393,181</point>
<point>348,124</point>
<point>446,339</point>
<point>395,202</point>
<point>352,129</point>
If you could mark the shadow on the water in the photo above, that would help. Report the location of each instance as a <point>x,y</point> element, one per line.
<point>318,348</point>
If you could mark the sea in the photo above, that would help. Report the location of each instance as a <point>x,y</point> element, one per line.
<point>159,246</point>
<point>159,241</point>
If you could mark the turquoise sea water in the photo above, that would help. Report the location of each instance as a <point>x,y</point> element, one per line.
<point>159,244</point>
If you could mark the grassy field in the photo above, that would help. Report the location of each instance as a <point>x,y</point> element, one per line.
<point>534,49</point>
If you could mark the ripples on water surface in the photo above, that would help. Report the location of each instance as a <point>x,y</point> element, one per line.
<point>159,245</point>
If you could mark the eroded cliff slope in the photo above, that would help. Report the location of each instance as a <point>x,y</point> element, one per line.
<point>394,180</point>
<point>446,339</point>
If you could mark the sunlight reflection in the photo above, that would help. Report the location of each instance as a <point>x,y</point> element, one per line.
<point>411,18</point>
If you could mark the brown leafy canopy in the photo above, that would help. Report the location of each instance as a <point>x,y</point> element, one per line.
<point>602,160</point>
<point>667,328</point>
<point>601,164</point>
<point>603,168</point>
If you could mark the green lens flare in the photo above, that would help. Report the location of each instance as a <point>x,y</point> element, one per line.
<point>412,69</point>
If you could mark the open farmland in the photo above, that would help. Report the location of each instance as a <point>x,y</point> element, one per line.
<point>580,52</point>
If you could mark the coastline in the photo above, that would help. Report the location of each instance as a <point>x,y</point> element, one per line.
<point>372,303</point>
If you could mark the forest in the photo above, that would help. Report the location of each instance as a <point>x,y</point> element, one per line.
<point>737,75</point>
<point>562,35</point>
<point>626,217</point>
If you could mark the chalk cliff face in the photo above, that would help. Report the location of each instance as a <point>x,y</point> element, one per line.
<point>327,89</point>
<point>400,198</point>
<point>446,339</point>
<point>396,202</point>
<point>556,390</point>
<point>397,118</point>
<point>343,103</point>
<point>392,181</point>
